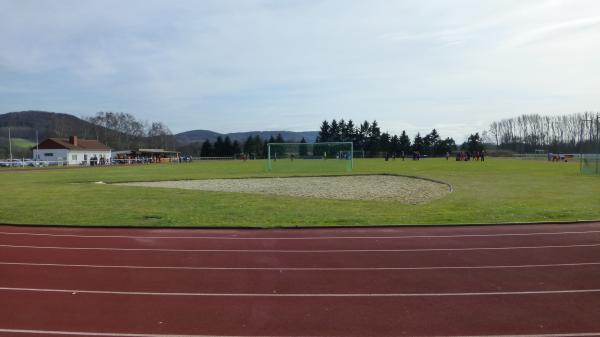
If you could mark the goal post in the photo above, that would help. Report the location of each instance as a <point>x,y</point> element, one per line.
<point>590,145</point>
<point>310,157</point>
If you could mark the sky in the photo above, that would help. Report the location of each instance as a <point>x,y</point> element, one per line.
<point>244,65</point>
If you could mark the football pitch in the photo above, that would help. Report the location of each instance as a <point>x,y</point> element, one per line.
<point>495,191</point>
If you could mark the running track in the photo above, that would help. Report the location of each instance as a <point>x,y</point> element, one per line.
<point>529,280</point>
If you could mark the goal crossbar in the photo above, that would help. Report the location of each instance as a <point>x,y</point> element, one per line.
<point>321,150</point>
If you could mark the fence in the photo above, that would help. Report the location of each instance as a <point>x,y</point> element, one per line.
<point>31,163</point>
<point>547,157</point>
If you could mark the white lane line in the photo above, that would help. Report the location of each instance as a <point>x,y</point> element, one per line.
<point>580,334</point>
<point>524,266</point>
<point>300,250</point>
<point>300,238</point>
<point>188,294</point>
<point>113,334</point>
<point>119,334</point>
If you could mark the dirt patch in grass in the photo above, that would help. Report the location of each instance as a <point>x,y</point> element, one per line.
<point>366,187</point>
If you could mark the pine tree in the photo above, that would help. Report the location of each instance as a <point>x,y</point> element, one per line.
<point>264,149</point>
<point>324,134</point>
<point>350,134</point>
<point>384,142</point>
<point>404,142</point>
<point>218,147</point>
<point>334,131</point>
<point>249,145</point>
<point>235,148</point>
<point>474,143</point>
<point>418,143</point>
<point>430,142</point>
<point>363,135</point>
<point>227,147</point>
<point>395,144</point>
<point>206,150</point>
<point>342,133</point>
<point>303,150</point>
<point>446,145</point>
<point>373,140</point>
<point>258,146</point>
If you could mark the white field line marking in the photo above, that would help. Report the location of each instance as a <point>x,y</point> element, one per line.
<point>300,238</point>
<point>301,268</point>
<point>187,294</point>
<point>118,334</point>
<point>298,250</point>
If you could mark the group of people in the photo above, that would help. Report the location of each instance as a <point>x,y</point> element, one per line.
<point>460,155</point>
<point>95,161</point>
<point>558,157</point>
<point>416,155</point>
<point>470,155</point>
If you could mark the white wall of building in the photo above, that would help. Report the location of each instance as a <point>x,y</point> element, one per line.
<point>68,156</point>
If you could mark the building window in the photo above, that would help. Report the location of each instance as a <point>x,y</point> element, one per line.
<point>74,157</point>
<point>48,154</point>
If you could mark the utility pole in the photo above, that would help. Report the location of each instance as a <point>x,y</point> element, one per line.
<point>37,146</point>
<point>10,146</point>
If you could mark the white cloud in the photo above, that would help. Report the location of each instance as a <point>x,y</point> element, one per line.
<point>556,30</point>
<point>237,65</point>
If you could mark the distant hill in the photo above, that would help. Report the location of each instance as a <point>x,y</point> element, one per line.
<point>196,136</point>
<point>23,124</point>
<point>202,135</point>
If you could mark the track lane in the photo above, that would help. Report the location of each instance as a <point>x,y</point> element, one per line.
<point>410,242</point>
<point>302,281</point>
<point>306,259</point>
<point>309,315</point>
<point>304,316</point>
<point>294,233</point>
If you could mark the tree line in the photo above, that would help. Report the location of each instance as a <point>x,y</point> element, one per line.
<point>123,131</point>
<point>254,146</point>
<point>368,137</point>
<point>528,133</point>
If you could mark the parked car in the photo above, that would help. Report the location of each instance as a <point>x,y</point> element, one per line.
<point>35,163</point>
<point>15,163</point>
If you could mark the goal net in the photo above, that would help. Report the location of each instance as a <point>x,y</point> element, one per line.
<point>310,157</point>
<point>590,146</point>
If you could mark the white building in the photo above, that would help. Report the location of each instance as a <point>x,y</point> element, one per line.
<point>71,151</point>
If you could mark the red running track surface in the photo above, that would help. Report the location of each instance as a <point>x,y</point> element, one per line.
<point>530,280</point>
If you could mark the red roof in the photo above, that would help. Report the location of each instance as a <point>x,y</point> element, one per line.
<point>63,143</point>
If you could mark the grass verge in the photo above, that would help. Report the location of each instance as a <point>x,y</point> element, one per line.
<point>497,191</point>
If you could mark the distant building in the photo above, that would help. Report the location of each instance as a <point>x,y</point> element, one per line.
<point>71,151</point>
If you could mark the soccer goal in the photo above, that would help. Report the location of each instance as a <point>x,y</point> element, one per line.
<point>590,146</point>
<point>310,157</point>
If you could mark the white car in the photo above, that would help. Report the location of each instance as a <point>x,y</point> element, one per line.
<point>16,163</point>
<point>35,163</point>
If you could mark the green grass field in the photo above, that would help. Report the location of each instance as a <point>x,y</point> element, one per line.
<point>22,143</point>
<point>497,191</point>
